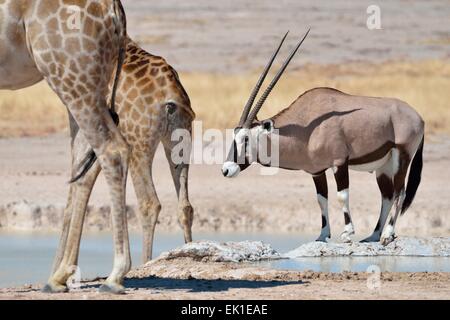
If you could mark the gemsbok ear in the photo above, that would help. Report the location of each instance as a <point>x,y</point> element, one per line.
<point>267,126</point>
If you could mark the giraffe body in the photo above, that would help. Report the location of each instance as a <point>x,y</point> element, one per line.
<point>74,45</point>
<point>147,91</point>
<point>18,69</point>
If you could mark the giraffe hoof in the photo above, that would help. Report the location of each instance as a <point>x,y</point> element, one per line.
<point>54,288</point>
<point>112,288</point>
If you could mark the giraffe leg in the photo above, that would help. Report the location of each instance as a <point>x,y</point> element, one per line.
<point>114,163</point>
<point>149,205</point>
<point>69,206</point>
<point>180,175</point>
<point>81,78</point>
<point>79,194</point>
<point>65,230</point>
<point>185,209</point>
<point>385,183</point>
<point>399,194</point>
<point>322,197</point>
<point>100,131</point>
<point>342,182</point>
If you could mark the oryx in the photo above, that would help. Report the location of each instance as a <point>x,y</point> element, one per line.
<point>326,128</point>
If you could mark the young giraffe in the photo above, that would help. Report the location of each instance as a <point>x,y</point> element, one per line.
<point>41,39</point>
<point>152,104</point>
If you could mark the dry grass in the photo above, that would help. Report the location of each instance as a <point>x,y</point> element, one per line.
<point>32,111</point>
<point>218,99</point>
<point>425,85</point>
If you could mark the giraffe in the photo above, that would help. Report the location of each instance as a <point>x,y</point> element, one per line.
<point>151,104</point>
<point>76,46</point>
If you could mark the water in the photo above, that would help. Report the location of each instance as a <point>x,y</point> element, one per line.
<point>362,264</point>
<point>27,258</point>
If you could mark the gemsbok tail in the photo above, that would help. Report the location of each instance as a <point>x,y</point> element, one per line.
<point>415,174</point>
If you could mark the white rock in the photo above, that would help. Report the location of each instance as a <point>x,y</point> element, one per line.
<point>424,247</point>
<point>211,251</point>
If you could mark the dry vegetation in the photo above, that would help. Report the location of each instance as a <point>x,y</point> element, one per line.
<point>32,111</point>
<point>218,99</point>
<point>425,85</point>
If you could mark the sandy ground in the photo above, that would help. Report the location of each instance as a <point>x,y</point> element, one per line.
<point>189,279</point>
<point>223,37</point>
<point>239,35</point>
<point>36,170</point>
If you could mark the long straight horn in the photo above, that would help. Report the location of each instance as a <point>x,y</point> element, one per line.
<point>260,82</point>
<point>272,85</point>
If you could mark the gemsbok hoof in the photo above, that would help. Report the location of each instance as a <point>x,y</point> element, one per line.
<point>372,238</point>
<point>323,239</point>
<point>386,240</point>
<point>345,237</point>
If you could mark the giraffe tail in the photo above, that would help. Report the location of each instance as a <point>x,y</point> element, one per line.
<point>85,165</point>
<point>120,22</point>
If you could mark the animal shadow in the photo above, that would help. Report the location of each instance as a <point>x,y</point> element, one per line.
<point>199,285</point>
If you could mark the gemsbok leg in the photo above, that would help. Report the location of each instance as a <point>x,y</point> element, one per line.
<point>399,194</point>
<point>385,181</point>
<point>320,182</point>
<point>342,182</point>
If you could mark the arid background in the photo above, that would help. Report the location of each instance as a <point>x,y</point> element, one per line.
<point>219,47</point>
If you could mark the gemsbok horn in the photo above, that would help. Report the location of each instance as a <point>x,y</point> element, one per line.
<point>326,128</point>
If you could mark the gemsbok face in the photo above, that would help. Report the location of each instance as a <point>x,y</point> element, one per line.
<point>246,147</point>
<point>250,131</point>
<point>328,129</point>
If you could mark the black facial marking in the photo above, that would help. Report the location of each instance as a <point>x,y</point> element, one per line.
<point>267,125</point>
<point>233,156</point>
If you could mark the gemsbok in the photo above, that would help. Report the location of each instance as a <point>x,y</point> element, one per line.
<point>326,128</point>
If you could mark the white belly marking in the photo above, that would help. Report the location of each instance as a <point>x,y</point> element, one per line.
<point>372,166</point>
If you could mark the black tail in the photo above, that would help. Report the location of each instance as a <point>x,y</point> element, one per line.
<point>415,173</point>
<point>86,165</point>
<point>91,157</point>
<point>121,29</point>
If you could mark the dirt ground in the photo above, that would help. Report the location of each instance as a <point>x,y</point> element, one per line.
<point>228,37</point>
<point>189,279</point>
<point>36,170</point>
